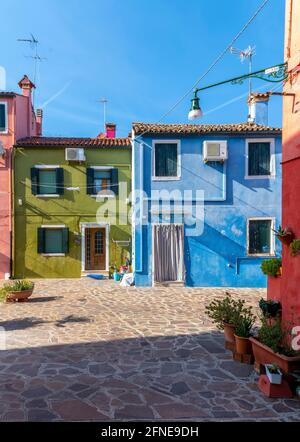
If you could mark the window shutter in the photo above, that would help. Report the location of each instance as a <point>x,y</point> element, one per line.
<point>65,240</point>
<point>41,240</point>
<point>115,181</point>
<point>34,180</point>
<point>90,181</point>
<point>60,181</point>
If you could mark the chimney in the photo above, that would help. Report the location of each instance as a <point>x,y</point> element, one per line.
<point>39,121</point>
<point>110,130</point>
<point>26,85</point>
<point>258,108</point>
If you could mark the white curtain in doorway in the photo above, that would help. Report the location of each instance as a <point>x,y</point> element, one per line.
<point>168,252</point>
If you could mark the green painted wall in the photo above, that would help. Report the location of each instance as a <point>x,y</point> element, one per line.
<point>71,209</point>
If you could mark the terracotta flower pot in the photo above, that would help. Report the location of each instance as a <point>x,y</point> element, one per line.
<point>243,345</point>
<point>286,239</point>
<point>229,330</point>
<point>21,296</point>
<point>265,355</point>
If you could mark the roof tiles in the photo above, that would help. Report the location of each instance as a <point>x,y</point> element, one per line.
<point>73,142</point>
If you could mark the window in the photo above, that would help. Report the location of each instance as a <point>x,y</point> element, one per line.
<point>166,160</point>
<point>260,238</point>
<point>47,180</point>
<point>101,180</point>
<point>53,240</point>
<point>3,117</point>
<point>260,158</point>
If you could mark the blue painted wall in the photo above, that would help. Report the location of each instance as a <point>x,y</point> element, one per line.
<point>218,256</point>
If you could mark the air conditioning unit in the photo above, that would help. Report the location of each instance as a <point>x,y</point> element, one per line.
<point>75,154</point>
<point>215,151</point>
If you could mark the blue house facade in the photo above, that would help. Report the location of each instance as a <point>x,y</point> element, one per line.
<point>205,201</point>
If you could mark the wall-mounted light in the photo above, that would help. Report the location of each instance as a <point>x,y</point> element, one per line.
<point>195,111</point>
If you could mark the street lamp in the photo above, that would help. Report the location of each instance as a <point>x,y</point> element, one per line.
<point>273,74</point>
<point>195,111</point>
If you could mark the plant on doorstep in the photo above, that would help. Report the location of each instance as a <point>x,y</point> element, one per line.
<point>272,267</point>
<point>295,247</point>
<point>274,373</point>
<point>285,236</point>
<point>243,332</point>
<point>225,314</point>
<point>20,290</point>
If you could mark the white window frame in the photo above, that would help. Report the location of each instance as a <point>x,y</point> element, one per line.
<point>5,131</point>
<point>272,239</point>
<point>272,159</point>
<point>167,178</point>
<point>53,226</point>
<point>47,167</point>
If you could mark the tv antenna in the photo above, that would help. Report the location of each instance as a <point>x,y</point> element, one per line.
<point>245,54</point>
<point>104,101</point>
<point>33,42</point>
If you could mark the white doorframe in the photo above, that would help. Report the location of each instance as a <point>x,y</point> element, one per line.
<point>84,226</point>
<point>152,244</point>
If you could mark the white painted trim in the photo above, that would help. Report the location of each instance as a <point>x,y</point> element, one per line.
<point>5,131</point>
<point>167,178</point>
<point>53,254</point>
<point>152,245</point>
<point>46,166</point>
<point>103,196</point>
<point>101,167</point>
<point>272,239</point>
<point>53,226</point>
<point>87,225</point>
<point>272,159</point>
<point>49,195</point>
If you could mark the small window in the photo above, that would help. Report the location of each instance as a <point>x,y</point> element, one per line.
<point>260,237</point>
<point>102,180</point>
<point>166,160</point>
<point>53,240</point>
<point>47,181</point>
<point>259,159</point>
<point>3,117</point>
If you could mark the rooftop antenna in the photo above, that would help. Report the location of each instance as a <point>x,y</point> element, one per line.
<point>245,54</point>
<point>104,102</point>
<point>33,42</point>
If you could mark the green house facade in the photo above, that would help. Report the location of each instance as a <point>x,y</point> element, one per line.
<point>71,206</point>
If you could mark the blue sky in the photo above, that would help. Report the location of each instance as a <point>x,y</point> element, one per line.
<point>142,55</point>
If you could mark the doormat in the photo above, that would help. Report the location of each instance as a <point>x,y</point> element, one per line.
<point>96,276</point>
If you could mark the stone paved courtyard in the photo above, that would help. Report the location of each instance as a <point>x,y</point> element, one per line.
<point>89,350</point>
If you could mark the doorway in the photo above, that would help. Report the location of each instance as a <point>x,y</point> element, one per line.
<point>168,252</point>
<point>95,248</point>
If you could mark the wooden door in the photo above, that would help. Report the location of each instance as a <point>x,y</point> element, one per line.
<point>95,246</point>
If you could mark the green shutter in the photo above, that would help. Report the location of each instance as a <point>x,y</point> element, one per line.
<point>34,181</point>
<point>65,240</point>
<point>60,181</point>
<point>90,181</point>
<point>115,181</point>
<point>40,240</point>
<point>259,159</point>
<point>2,117</point>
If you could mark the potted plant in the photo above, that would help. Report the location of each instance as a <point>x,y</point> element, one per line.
<point>270,346</point>
<point>285,235</point>
<point>272,267</point>
<point>20,290</point>
<point>225,313</point>
<point>295,247</point>
<point>274,374</point>
<point>243,332</point>
<point>270,308</point>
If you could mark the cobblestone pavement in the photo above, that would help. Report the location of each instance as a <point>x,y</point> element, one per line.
<point>89,350</point>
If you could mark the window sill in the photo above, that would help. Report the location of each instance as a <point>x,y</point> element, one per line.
<point>261,255</point>
<point>259,177</point>
<point>53,254</point>
<point>166,178</point>
<point>50,195</point>
<point>103,196</point>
